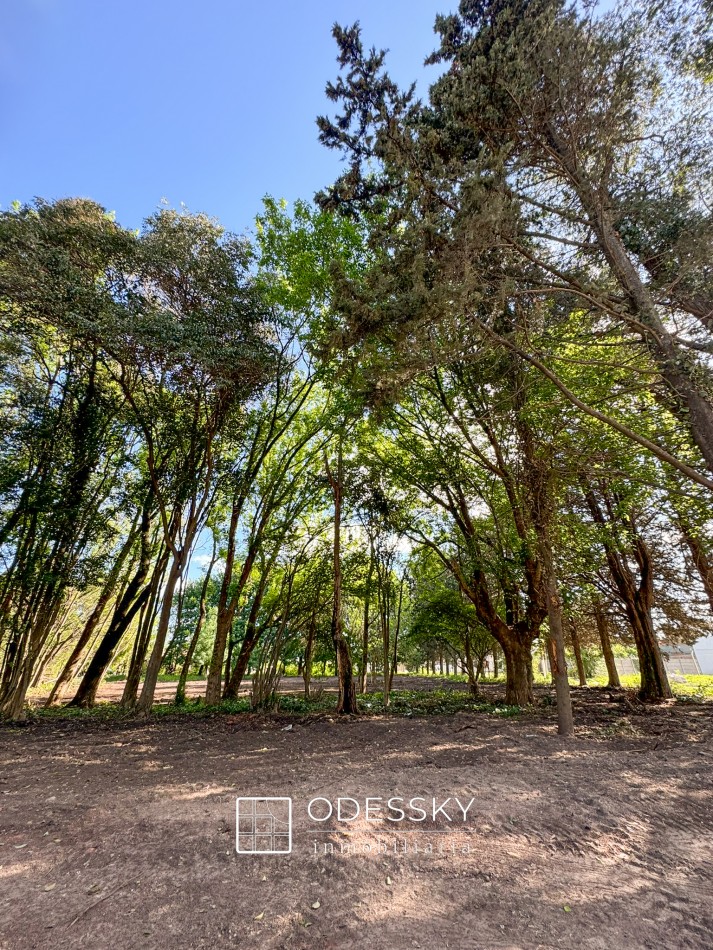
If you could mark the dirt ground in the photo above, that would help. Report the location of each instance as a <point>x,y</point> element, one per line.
<point>122,835</point>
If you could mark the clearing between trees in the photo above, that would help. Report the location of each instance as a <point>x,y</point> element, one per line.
<point>121,832</point>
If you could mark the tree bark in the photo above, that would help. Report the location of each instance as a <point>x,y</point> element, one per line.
<point>226,610</point>
<point>365,627</point>
<point>693,407</point>
<point>638,603</point>
<point>347,702</point>
<point>252,635</point>
<point>309,652</point>
<point>518,666</point>
<point>577,649</point>
<point>607,651</point>
<point>700,557</point>
<point>145,701</point>
<point>565,721</point>
<point>92,623</point>
<point>202,610</point>
<point>469,665</point>
<point>397,631</point>
<point>133,599</point>
<point>141,643</point>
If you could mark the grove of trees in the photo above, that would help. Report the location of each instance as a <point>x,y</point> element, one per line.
<point>459,409</point>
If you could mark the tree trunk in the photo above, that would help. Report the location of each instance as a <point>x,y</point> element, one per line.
<point>202,610</point>
<point>685,379</point>
<point>577,648</point>
<point>700,557</point>
<point>602,628</point>
<point>565,721</point>
<point>395,652</point>
<point>309,651</point>
<point>131,602</point>
<point>654,681</point>
<point>226,610</point>
<point>365,628</point>
<point>469,666</point>
<point>347,702</point>
<point>518,672</point>
<point>252,635</point>
<point>141,644</point>
<point>385,640</point>
<point>92,623</point>
<point>145,701</point>
<point>638,601</point>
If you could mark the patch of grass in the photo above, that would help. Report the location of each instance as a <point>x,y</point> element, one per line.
<point>437,702</point>
<point>698,688</point>
<point>411,702</point>
<point>100,712</point>
<point>298,705</point>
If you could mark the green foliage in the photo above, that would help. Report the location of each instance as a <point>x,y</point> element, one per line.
<point>497,319</point>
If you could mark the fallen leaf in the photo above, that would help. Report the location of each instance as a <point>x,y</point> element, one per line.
<point>260,916</point>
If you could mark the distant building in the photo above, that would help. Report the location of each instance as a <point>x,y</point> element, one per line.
<point>704,654</point>
<point>679,659</point>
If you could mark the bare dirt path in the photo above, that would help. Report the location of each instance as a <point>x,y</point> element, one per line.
<point>122,836</point>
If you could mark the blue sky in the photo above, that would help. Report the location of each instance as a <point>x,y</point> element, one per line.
<point>207,102</point>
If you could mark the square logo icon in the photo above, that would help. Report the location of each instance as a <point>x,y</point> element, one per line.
<point>263,825</point>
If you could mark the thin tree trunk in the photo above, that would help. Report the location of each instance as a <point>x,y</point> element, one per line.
<point>133,599</point>
<point>143,638</point>
<point>385,640</point>
<point>469,666</point>
<point>145,701</point>
<point>347,702</point>
<point>700,558</point>
<point>565,721</point>
<point>92,623</point>
<point>577,648</point>
<point>685,379</point>
<point>309,650</point>
<point>252,635</point>
<point>395,653</point>
<point>365,628</point>
<point>202,610</point>
<point>607,651</point>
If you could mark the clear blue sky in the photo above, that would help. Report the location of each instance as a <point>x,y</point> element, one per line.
<point>207,102</point>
